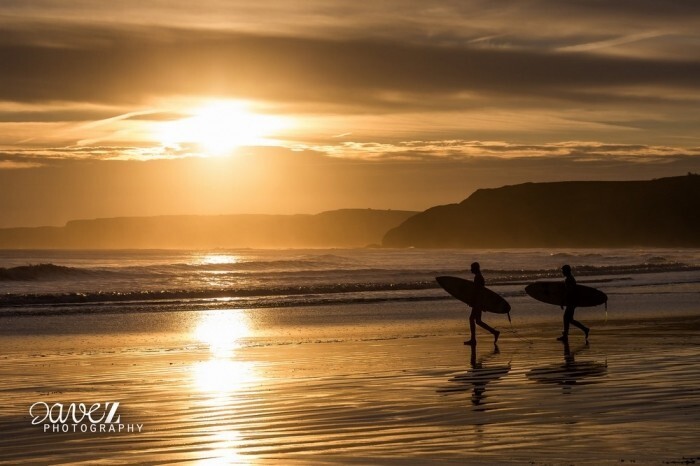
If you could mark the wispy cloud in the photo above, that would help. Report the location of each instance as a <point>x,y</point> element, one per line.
<point>34,157</point>
<point>376,152</point>
<point>17,165</point>
<point>612,42</point>
<point>456,150</point>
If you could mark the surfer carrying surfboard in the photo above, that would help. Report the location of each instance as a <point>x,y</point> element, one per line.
<point>570,301</point>
<point>475,316</point>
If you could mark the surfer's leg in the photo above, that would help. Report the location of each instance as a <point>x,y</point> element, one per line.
<point>578,324</point>
<point>472,326</point>
<point>568,317</point>
<point>486,326</point>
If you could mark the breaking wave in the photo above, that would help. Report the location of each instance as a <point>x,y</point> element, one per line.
<point>278,284</point>
<point>46,272</point>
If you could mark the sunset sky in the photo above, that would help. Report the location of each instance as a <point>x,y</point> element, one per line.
<point>156,107</point>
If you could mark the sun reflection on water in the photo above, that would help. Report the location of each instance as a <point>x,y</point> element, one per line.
<point>223,331</point>
<point>223,376</point>
<point>219,259</point>
<point>223,380</point>
<point>225,451</point>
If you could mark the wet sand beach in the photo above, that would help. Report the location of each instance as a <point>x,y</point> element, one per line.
<point>208,396</point>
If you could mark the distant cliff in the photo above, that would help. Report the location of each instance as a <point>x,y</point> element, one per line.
<point>338,228</point>
<point>662,212</point>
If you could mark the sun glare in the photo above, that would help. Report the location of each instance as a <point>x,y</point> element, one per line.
<point>219,127</point>
<point>218,259</point>
<point>222,330</point>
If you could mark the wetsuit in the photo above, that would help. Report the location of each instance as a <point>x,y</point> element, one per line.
<point>571,300</point>
<point>475,316</point>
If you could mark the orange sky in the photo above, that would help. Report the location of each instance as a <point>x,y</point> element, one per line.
<point>154,107</point>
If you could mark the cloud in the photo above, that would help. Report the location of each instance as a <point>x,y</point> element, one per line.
<point>375,152</point>
<point>456,150</point>
<point>116,67</point>
<point>433,19</point>
<point>43,156</point>
<point>531,72</point>
<point>615,41</point>
<point>17,165</point>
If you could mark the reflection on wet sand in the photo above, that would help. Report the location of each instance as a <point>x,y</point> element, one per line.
<point>221,379</point>
<point>572,372</point>
<point>478,377</point>
<point>213,400</point>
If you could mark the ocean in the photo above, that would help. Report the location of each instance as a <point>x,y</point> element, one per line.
<point>86,282</point>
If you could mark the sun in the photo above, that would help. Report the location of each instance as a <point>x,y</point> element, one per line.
<point>219,127</point>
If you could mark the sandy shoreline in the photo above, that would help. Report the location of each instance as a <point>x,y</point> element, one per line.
<point>630,395</point>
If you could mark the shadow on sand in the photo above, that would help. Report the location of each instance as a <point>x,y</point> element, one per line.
<point>477,377</point>
<point>572,372</point>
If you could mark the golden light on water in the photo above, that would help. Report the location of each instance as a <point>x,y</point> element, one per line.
<point>222,331</point>
<point>222,374</point>
<point>220,377</point>
<point>218,127</point>
<point>223,379</point>
<point>218,259</point>
<point>226,452</point>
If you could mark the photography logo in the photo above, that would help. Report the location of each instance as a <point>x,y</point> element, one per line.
<point>79,417</point>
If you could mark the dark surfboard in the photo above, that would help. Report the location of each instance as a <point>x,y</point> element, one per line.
<point>555,293</point>
<point>464,290</point>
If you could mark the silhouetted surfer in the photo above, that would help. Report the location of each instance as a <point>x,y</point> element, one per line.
<point>570,300</point>
<point>475,316</point>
